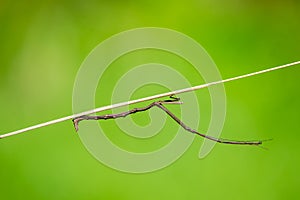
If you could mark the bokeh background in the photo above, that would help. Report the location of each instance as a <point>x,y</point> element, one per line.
<point>42,45</point>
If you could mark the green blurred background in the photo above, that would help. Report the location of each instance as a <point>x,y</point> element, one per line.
<point>42,45</point>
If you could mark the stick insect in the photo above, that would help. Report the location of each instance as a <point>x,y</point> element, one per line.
<point>160,104</point>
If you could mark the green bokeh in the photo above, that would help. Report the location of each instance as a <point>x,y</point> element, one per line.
<point>42,46</point>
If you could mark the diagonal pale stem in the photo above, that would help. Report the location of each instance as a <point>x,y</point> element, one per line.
<point>108,107</point>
